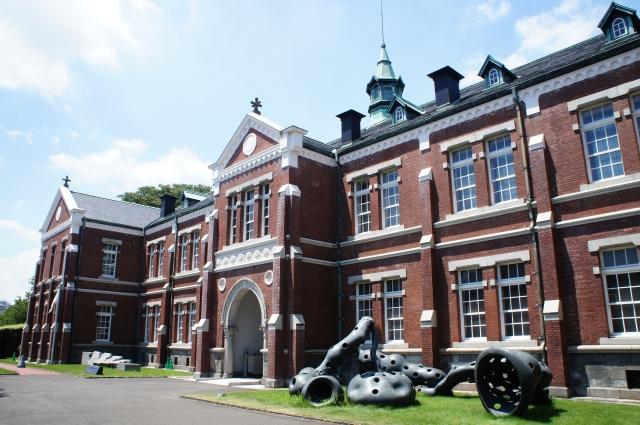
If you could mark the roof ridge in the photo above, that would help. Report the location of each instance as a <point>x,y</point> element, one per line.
<point>113,200</point>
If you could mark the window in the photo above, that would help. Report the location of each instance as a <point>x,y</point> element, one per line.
<point>180,320</point>
<point>362,200</point>
<point>249,204</point>
<point>195,249</point>
<point>390,198</point>
<point>364,302</point>
<point>266,193</point>
<point>109,259</point>
<point>147,324</point>
<point>61,264</point>
<point>472,304</point>
<point>636,113</point>
<point>52,260</point>
<point>513,301</point>
<point>600,137</point>
<point>184,244</point>
<point>152,261</point>
<point>103,326</point>
<point>501,169</point>
<point>160,258</point>
<point>42,264</point>
<point>464,179</point>
<point>399,114</point>
<point>618,28</point>
<point>393,310</point>
<point>156,322</point>
<point>621,273</point>
<point>493,77</point>
<point>192,319</point>
<point>233,225</point>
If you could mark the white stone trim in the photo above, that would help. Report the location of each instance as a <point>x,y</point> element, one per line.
<point>159,227</point>
<point>496,210</point>
<point>425,174</point>
<point>428,319</point>
<point>478,136</point>
<point>544,220</point>
<point>605,348</point>
<point>318,157</point>
<point>628,181</point>
<point>249,184</point>
<point>153,280</point>
<point>107,303</point>
<point>275,322</point>
<point>484,238</point>
<point>598,217</point>
<point>96,291</point>
<point>374,235</point>
<point>289,190</point>
<point>531,95</point>
<point>374,169</point>
<point>318,243</point>
<point>112,241</point>
<point>194,214</point>
<point>190,229</point>
<point>157,240</point>
<point>112,281</point>
<point>381,256</point>
<point>552,310</point>
<point>152,304</point>
<point>149,293</point>
<point>297,322</point>
<point>253,252</point>
<point>626,239</point>
<point>184,300</point>
<point>187,273</point>
<point>201,326</point>
<point>113,228</point>
<point>603,95</point>
<point>317,261</point>
<point>185,288</point>
<point>426,241</point>
<point>537,142</point>
<point>489,260</point>
<point>60,228</point>
<point>378,276</point>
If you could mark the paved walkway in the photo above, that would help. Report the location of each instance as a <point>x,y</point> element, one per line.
<point>26,370</point>
<point>62,399</point>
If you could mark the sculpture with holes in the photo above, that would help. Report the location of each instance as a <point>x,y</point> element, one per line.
<point>507,381</point>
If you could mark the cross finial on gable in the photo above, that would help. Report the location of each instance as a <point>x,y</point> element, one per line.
<point>66,181</point>
<point>256,106</point>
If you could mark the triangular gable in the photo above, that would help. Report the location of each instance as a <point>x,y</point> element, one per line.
<point>405,104</point>
<point>63,199</point>
<point>615,10</point>
<point>491,62</point>
<point>253,142</point>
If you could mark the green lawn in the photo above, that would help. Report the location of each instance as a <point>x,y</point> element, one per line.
<point>461,409</point>
<point>78,370</point>
<point>6,372</point>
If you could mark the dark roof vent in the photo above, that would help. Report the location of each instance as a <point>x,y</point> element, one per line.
<point>447,84</point>
<point>350,121</point>
<point>167,205</point>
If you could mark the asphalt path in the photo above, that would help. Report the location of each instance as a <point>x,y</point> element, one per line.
<point>62,399</point>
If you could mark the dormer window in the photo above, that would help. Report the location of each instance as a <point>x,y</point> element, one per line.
<point>618,28</point>
<point>493,77</point>
<point>398,115</point>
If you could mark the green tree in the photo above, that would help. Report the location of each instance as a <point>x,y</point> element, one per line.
<point>16,313</point>
<point>150,195</point>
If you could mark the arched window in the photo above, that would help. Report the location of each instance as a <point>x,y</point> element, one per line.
<point>618,27</point>
<point>493,78</point>
<point>399,114</point>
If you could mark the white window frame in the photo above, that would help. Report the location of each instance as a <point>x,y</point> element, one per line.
<point>386,195</point>
<point>184,244</point>
<point>110,253</point>
<point>156,322</point>
<point>160,259</point>
<point>233,227</point>
<point>192,320</point>
<point>365,297</point>
<point>145,314</point>
<point>179,322</point>
<point>505,151</point>
<point>195,250</point>
<point>615,27</point>
<point>249,214</point>
<point>104,312</point>
<point>618,270</point>
<point>471,286</point>
<point>399,114</point>
<point>266,194</point>
<point>389,297</point>
<point>592,126</point>
<point>152,260</point>
<point>636,113</point>
<point>493,77</point>
<point>504,283</point>
<point>467,162</point>
<point>362,198</point>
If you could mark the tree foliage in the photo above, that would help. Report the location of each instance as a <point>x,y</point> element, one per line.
<point>16,313</point>
<point>150,195</point>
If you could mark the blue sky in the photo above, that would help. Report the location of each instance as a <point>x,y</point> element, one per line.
<point>118,94</point>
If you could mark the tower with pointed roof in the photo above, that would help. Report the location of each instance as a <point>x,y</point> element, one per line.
<point>382,88</point>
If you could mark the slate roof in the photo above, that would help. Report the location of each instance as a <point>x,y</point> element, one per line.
<point>208,200</point>
<point>545,68</point>
<point>317,146</point>
<point>116,212</point>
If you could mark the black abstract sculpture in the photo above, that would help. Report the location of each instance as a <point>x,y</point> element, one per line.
<point>507,381</point>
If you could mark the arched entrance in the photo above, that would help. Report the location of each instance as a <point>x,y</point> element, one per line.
<point>243,318</point>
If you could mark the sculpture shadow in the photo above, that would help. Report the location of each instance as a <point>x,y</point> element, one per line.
<point>542,414</point>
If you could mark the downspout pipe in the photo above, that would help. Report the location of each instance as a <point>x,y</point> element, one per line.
<point>522,136</point>
<point>339,239</point>
<point>75,286</point>
<point>172,272</point>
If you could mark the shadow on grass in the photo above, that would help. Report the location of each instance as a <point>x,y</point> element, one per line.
<point>542,413</point>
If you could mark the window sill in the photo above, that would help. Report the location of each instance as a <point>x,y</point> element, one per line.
<point>247,244</point>
<point>98,342</point>
<point>375,235</point>
<point>621,340</point>
<point>106,277</point>
<point>484,343</point>
<point>482,212</point>
<point>155,279</point>
<point>601,187</point>
<point>187,273</point>
<point>180,346</point>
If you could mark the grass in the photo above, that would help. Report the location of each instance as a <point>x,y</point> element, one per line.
<point>79,370</point>
<point>6,372</point>
<point>461,409</point>
<point>17,326</point>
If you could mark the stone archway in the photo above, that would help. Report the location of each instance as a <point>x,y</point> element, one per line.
<point>244,319</point>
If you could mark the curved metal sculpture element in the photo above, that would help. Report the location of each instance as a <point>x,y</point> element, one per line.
<point>322,390</point>
<point>386,388</point>
<point>457,374</point>
<point>508,381</point>
<point>417,373</point>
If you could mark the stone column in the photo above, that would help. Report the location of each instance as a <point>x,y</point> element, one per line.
<point>229,333</point>
<point>264,350</point>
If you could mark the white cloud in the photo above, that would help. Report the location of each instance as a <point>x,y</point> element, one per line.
<point>568,23</point>
<point>122,167</point>
<point>493,10</point>
<point>17,231</point>
<point>42,39</point>
<point>16,272</point>
<point>74,134</point>
<point>56,140</point>
<point>27,135</point>
<point>470,66</point>
<point>2,162</point>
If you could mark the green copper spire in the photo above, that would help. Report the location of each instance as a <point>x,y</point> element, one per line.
<point>384,68</point>
<point>383,88</point>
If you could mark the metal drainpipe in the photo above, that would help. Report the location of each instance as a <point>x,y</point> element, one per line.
<point>75,289</point>
<point>52,348</point>
<point>140,288</point>
<point>338,239</point>
<point>532,216</point>
<point>172,272</point>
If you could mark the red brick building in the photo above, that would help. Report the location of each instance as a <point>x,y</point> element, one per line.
<point>506,212</point>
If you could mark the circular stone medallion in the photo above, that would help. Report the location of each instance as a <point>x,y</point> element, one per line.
<point>268,277</point>
<point>222,284</point>
<point>58,213</point>
<point>249,144</point>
